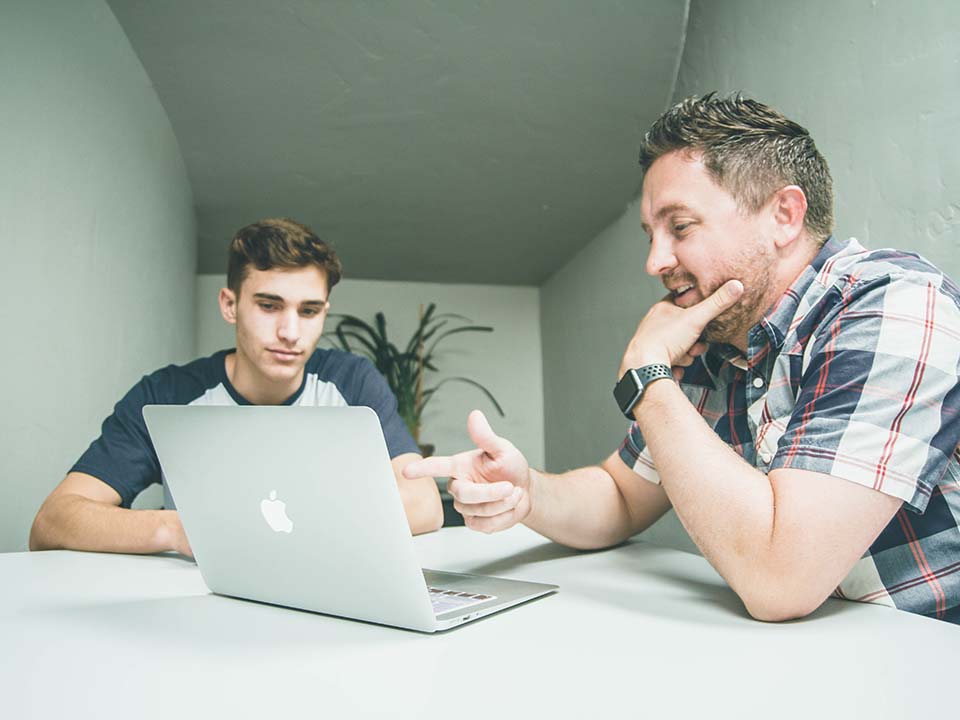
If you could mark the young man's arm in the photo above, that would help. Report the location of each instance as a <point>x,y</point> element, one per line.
<point>421,499</point>
<point>593,507</point>
<point>84,513</point>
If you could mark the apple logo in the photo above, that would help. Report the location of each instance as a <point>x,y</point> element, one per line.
<point>275,513</point>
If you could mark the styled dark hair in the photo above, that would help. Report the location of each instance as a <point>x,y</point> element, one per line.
<point>750,150</point>
<point>279,243</point>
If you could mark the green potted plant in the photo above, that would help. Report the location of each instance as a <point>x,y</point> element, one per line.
<point>404,369</point>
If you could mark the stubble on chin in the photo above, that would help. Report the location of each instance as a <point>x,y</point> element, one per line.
<point>733,324</point>
<point>755,270</point>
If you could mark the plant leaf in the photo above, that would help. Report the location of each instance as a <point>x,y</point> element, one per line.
<point>454,331</point>
<point>429,394</point>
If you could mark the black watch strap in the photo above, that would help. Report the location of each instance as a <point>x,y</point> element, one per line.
<point>658,371</point>
<point>629,390</point>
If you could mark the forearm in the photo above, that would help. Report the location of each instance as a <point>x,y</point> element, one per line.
<point>582,509</point>
<point>726,505</point>
<point>74,522</point>
<point>421,501</point>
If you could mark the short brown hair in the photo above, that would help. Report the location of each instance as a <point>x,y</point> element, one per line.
<point>750,150</point>
<point>279,243</point>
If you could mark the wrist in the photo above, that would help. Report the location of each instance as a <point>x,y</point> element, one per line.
<point>654,395</point>
<point>632,386</point>
<point>534,490</point>
<point>633,361</point>
<point>169,532</point>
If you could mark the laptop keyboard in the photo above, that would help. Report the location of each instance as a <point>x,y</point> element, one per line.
<point>447,600</point>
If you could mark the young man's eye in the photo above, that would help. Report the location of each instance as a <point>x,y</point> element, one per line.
<point>267,306</point>
<point>308,312</point>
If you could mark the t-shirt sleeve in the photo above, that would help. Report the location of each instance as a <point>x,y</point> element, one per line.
<point>878,398</point>
<point>374,392</point>
<point>123,456</point>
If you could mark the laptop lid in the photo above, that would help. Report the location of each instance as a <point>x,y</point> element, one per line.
<point>295,506</point>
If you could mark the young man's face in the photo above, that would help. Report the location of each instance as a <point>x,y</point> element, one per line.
<point>699,239</point>
<point>279,318</point>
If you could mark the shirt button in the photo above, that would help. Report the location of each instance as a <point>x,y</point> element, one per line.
<point>758,382</point>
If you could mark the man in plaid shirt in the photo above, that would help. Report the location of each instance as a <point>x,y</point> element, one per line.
<point>827,376</point>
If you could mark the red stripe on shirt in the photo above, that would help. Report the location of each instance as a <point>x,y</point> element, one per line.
<point>908,399</point>
<point>922,565</point>
<point>809,408</point>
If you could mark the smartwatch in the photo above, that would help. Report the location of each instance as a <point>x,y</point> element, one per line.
<point>628,391</point>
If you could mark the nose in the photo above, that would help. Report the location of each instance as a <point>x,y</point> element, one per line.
<point>288,327</point>
<point>660,259</point>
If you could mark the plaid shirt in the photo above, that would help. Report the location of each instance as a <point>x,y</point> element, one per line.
<point>854,373</point>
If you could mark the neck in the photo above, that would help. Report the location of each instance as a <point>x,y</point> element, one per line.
<point>792,263</point>
<point>254,386</point>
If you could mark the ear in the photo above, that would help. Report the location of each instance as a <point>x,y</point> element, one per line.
<point>788,208</point>
<point>228,305</point>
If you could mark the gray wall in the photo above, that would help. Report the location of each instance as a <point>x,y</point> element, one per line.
<point>507,361</point>
<point>875,83</point>
<point>97,233</point>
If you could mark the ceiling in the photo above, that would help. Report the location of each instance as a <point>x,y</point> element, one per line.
<point>454,141</point>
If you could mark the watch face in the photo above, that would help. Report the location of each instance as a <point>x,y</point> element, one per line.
<point>625,392</point>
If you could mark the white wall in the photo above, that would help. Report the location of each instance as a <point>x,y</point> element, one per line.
<point>875,83</point>
<point>589,311</point>
<point>97,237</point>
<point>506,361</point>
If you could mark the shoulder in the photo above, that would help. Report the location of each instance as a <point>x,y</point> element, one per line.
<point>856,271</point>
<point>330,364</point>
<point>182,384</point>
<point>856,284</point>
<point>355,377</point>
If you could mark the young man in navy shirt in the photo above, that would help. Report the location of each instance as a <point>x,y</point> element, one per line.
<point>279,279</point>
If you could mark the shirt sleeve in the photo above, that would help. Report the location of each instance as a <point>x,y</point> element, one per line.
<point>374,392</point>
<point>878,397</point>
<point>123,456</point>
<point>635,455</point>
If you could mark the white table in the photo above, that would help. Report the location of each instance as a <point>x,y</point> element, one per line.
<point>637,631</point>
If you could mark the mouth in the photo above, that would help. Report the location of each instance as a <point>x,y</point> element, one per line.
<point>284,355</point>
<point>683,295</point>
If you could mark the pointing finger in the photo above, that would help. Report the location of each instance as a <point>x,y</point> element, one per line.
<point>430,467</point>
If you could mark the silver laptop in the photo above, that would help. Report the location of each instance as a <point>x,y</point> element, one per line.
<point>298,506</point>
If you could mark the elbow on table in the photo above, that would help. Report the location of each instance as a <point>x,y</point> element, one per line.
<point>779,605</point>
<point>38,533</point>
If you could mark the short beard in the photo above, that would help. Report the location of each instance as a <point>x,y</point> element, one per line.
<point>732,325</point>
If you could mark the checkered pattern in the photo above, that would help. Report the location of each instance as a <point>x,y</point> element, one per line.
<point>854,373</point>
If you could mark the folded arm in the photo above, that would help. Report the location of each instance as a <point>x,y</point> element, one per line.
<point>782,541</point>
<point>84,513</point>
<point>421,499</point>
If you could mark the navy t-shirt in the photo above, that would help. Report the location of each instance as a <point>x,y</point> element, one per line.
<point>123,456</point>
